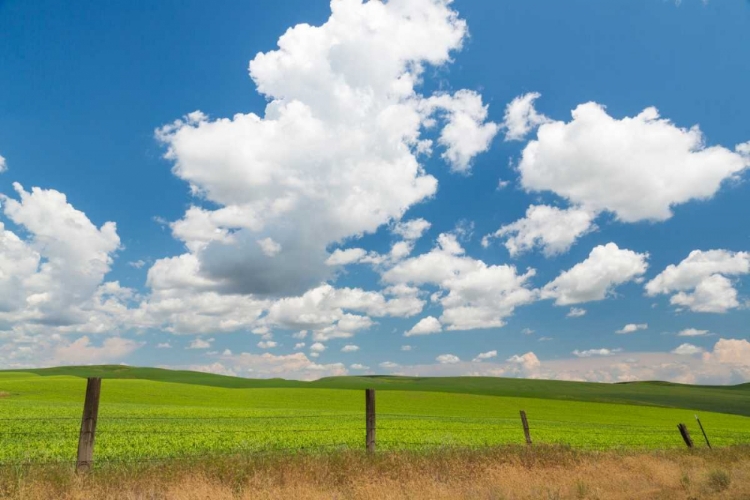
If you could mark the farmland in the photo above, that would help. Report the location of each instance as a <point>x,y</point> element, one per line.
<point>142,419</point>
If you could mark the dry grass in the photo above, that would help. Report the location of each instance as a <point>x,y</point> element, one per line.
<point>505,473</point>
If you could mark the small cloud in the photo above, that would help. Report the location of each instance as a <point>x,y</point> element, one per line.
<point>464,230</point>
<point>447,359</point>
<point>357,366</point>
<point>406,348</point>
<point>576,312</point>
<point>200,344</point>
<point>692,332</point>
<point>342,257</point>
<point>485,355</point>
<point>388,364</point>
<point>350,348</point>
<point>527,331</point>
<point>300,335</point>
<point>596,352</point>
<point>227,352</point>
<point>160,221</point>
<point>137,264</point>
<point>502,184</point>
<point>545,339</point>
<point>688,350</point>
<point>317,347</point>
<point>425,326</point>
<point>164,345</point>
<point>267,344</point>
<point>269,247</point>
<point>412,229</point>
<point>299,345</point>
<point>632,328</point>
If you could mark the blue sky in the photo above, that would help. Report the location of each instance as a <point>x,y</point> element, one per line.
<point>522,137</point>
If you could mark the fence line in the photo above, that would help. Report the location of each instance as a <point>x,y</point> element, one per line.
<point>444,425</point>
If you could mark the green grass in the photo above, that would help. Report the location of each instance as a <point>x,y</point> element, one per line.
<point>143,419</point>
<point>722,399</point>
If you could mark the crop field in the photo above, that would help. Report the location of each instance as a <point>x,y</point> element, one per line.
<point>152,420</point>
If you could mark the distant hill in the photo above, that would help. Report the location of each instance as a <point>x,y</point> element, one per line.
<point>723,399</point>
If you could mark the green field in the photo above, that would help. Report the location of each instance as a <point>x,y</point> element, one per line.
<point>151,413</point>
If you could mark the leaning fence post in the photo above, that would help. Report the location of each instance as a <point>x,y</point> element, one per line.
<point>685,435</point>
<point>370,420</point>
<point>526,431</point>
<point>88,425</point>
<point>703,431</point>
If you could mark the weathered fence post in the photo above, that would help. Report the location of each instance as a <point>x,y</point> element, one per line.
<point>526,431</point>
<point>88,425</point>
<point>704,432</point>
<point>685,435</point>
<point>370,420</point>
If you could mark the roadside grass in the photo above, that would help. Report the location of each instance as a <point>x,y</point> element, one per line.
<point>511,472</point>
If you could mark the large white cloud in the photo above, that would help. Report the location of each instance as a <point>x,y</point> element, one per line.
<point>336,153</point>
<point>551,228</point>
<point>701,280</point>
<point>606,267</point>
<point>53,277</point>
<point>636,167</point>
<point>473,294</point>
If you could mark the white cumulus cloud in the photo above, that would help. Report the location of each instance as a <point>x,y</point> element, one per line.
<point>636,167</point>
<point>606,267</point>
<point>475,295</point>
<point>425,326</point>
<point>521,117</point>
<point>485,355</point>
<point>692,332</point>
<point>576,312</point>
<point>447,359</point>
<point>700,281</point>
<point>336,154</point>
<point>687,350</point>
<point>632,328</point>
<point>552,229</point>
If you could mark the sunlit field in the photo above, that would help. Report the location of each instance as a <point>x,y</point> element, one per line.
<point>144,420</point>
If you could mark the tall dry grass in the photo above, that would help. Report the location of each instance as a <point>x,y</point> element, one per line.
<point>504,473</point>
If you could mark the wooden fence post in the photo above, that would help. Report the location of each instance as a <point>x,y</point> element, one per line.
<point>526,431</point>
<point>88,425</point>
<point>370,420</point>
<point>685,435</point>
<point>704,432</point>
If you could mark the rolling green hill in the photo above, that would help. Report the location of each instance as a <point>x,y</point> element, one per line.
<point>722,399</point>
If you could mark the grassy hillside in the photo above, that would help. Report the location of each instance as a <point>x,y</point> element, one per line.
<point>722,399</point>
